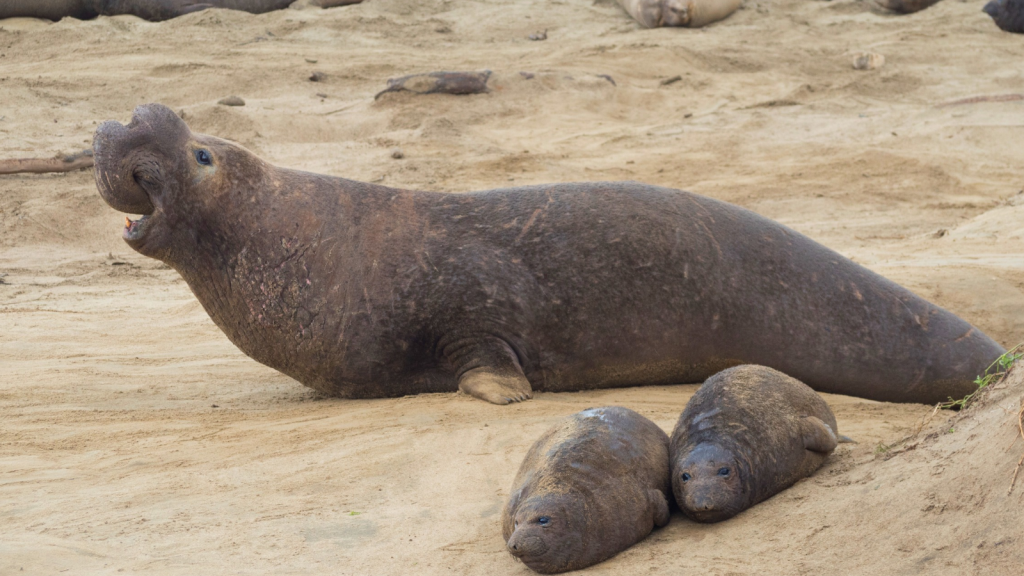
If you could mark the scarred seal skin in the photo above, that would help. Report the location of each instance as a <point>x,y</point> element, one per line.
<point>687,13</point>
<point>365,291</point>
<point>748,433</point>
<point>590,487</point>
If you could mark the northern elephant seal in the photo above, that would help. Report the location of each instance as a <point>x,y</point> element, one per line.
<point>688,13</point>
<point>590,487</point>
<point>1007,14</point>
<point>747,434</point>
<point>365,291</point>
<point>152,10</point>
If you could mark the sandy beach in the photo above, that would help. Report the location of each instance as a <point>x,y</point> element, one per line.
<point>134,438</point>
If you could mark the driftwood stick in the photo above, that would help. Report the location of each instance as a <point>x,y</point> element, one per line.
<point>77,161</point>
<point>977,99</point>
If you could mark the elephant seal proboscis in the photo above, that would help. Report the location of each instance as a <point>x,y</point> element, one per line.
<point>364,291</point>
<point>748,433</point>
<point>590,487</point>
<point>152,10</point>
<point>688,13</point>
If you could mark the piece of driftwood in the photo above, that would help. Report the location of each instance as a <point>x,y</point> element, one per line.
<point>439,83</point>
<point>977,99</point>
<point>78,161</point>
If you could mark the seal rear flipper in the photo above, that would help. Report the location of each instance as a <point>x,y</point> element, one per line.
<point>818,436</point>
<point>845,439</point>
<point>660,505</point>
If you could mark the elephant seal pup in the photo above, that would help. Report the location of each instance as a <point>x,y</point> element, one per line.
<point>748,433</point>
<point>590,487</point>
<point>688,13</point>
<point>152,10</point>
<point>365,291</point>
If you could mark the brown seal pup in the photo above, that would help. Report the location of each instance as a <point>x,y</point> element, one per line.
<point>688,13</point>
<point>152,10</point>
<point>748,433</point>
<point>366,291</point>
<point>590,487</point>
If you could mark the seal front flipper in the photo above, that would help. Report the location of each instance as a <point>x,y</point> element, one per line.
<point>494,387</point>
<point>489,369</point>
<point>660,505</point>
<point>818,436</point>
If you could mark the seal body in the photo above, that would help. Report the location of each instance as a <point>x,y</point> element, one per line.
<point>365,291</point>
<point>906,6</point>
<point>152,10</point>
<point>590,487</point>
<point>688,13</point>
<point>1007,14</point>
<point>748,433</point>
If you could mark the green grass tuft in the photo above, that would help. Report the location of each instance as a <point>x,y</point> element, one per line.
<point>994,373</point>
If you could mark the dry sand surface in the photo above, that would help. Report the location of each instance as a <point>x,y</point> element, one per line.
<point>135,438</point>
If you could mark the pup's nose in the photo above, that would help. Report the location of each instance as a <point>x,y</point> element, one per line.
<point>704,504</point>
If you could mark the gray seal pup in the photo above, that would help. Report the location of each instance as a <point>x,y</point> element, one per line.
<point>688,13</point>
<point>590,487</point>
<point>748,433</point>
<point>365,291</point>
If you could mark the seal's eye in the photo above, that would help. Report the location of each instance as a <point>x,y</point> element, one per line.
<point>686,476</point>
<point>543,520</point>
<point>203,157</point>
<point>723,471</point>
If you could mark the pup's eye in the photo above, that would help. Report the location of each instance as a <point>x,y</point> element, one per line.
<point>543,520</point>
<point>203,157</point>
<point>723,471</point>
<point>686,476</point>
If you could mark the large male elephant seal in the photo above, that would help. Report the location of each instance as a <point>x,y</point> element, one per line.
<point>362,291</point>
<point>748,433</point>
<point>688,13</point>
<point>153,10</point>
<point>590,487</point>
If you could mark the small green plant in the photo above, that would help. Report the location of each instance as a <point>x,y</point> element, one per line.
<point>994,373</point>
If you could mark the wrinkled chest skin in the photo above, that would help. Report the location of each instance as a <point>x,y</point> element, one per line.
<point>359,290</point>
<point>590,487</point>
<point>756,424</point>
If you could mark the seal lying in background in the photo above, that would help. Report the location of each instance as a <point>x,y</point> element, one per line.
<point>906,6</point>
<point>748,433</point>
<point>365,291</point>
<point>1007,14</point>
<point>152,10</point>
<point>688,13</point>
<point>590,487</point>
